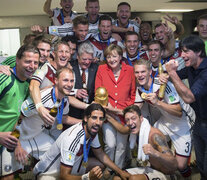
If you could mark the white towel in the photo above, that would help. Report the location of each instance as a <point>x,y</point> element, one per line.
<point>143,139</point>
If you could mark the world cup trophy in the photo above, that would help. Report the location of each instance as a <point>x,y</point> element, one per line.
<point>101,96</point>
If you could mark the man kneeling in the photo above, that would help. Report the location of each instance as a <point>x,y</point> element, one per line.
<point>69,153</point>
<point>152,147</point>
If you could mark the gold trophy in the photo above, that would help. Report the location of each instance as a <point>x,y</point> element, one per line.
<point>101,96</point>
<point>163,86</point>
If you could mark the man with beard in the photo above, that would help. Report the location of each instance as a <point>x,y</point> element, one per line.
<point>133,53</point>
<point>103,39</point>
<point>33,141</point>
<point>13,91</point>
<point>69,153</point>
<point>60,16</point>
<point>152,147</point>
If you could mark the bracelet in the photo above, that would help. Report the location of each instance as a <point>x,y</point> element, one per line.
<point>38,105</point>
<point>85,176</point>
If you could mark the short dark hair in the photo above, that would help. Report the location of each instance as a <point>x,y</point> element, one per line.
<point>194,43</point>
<point>87,1</point>
<point>105,18</point>
<point>27,48</point>
<point>132,108</point>
<point>70,38</point>
<point>156,42</point>
<point>122,4</point>
<point>158,25</point>
<point>29,38</point>
<point>92,107</point>
<point>130,33</point>
<point>204,16</point>
<point>41,39</point>
<point>80,20</point>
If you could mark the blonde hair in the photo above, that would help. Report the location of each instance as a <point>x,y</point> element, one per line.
<point>113,47</point>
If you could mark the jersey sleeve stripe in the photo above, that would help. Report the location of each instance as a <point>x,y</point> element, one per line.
<point>37,78</point>
<point>7,88</point>
<point>3,78</point>
<point>76,140</point>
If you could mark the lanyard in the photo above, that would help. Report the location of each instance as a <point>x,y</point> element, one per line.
<point>85,150</point>
<point>150,89</point>
<point>108,41</point>
<point>62,16</point>
<point>129,61</point>
<point>60,113</point>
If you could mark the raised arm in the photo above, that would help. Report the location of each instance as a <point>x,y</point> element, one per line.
<point>179,27</point>
<point>117,125</point>
<point>47,8</point>
<point>170,45</point>
<point>184,92</point>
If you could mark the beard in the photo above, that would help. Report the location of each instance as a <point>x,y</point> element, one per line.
<point>90,132</point>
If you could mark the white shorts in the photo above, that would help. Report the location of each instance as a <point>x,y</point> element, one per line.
<point>49,177</point>
<point>151,174</point>
<point>36,147</point>
<point>181,142</point>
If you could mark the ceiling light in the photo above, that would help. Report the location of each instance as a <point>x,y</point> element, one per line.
<point>174,10</point>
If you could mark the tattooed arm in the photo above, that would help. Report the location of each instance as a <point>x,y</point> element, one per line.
<point>160,155</point>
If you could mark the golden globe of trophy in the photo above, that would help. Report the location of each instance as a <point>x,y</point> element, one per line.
<point>101,96</point>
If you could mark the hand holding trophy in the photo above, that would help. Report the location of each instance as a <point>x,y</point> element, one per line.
<point>101,96</point>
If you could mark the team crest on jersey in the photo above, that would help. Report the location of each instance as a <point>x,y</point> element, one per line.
<point>7,168</point>
<point>171,98</point>
<point>69,157</point>
<point>37,72</point>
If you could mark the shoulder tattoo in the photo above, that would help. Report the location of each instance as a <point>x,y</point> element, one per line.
<point>161,144</point>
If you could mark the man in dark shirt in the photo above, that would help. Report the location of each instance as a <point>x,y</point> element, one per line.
<point>193,53</point>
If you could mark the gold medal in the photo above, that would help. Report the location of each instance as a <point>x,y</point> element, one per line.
<point>143,95</point>
<point>145,163</point>
<point>85,164</point>
<point>60,126</point>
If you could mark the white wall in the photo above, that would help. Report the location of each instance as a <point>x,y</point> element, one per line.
<point>10,42</point>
